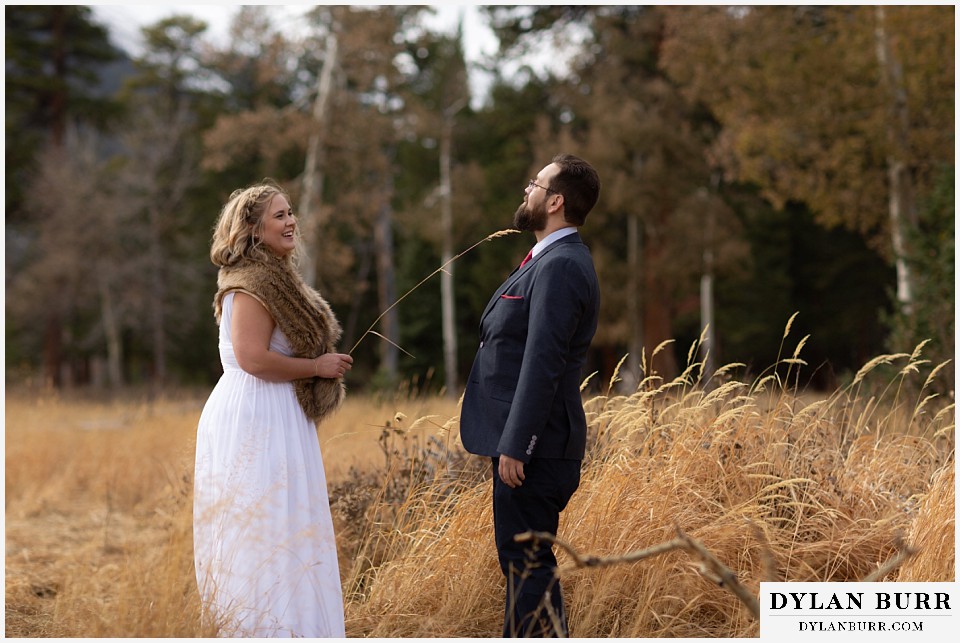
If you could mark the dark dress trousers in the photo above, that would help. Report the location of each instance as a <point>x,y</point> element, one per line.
<point>523,400</point>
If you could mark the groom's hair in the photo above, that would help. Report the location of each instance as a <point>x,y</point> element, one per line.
<point>579,184</point>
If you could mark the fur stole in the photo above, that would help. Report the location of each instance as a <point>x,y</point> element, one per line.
<point>302,315</point>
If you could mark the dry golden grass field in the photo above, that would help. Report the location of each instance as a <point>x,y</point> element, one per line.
<point>775,485</point>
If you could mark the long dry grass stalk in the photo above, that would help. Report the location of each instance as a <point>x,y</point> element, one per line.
<point>489,237</point>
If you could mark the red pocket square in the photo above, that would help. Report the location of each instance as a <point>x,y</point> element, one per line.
<point>511,297</point>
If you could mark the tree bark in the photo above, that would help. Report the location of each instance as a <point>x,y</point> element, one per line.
<point>312,183</point>
<point>707,353</point>
<point>708,348</point>
<point>111,331</point>
<point>386,289</point>
<point>631,376</point>
<point>447,301</point>
<point>901,202</point>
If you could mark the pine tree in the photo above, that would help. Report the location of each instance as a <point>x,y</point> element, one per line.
<point>54,57</point>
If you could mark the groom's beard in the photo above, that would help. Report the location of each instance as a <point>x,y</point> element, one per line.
<point>530,219</point>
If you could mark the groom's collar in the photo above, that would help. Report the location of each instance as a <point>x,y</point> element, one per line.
<point>553,236</point>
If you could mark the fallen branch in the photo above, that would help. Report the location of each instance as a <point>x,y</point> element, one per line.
<point>727,576</point>
<point>598,561</point>
<point>719,572</point>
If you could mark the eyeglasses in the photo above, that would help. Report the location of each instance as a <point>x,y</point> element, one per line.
<point>533,184</point>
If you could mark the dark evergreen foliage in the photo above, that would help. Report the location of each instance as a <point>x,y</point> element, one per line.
<point>55,61</point>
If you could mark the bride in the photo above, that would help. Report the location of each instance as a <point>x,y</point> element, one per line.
<point>265,552</point>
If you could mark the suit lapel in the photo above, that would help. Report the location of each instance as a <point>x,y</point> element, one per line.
<point>519,272</point>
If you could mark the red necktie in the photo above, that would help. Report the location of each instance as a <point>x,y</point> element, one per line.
<point>527,258</point>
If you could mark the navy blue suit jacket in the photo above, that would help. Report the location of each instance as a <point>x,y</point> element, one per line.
<point>523,395</point>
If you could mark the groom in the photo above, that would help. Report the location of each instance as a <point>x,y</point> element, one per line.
<point>522,405</point>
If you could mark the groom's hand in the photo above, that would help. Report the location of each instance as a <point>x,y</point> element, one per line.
<point>511,471</point>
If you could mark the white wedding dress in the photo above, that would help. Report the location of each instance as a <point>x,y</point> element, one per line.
<point>265,553</point>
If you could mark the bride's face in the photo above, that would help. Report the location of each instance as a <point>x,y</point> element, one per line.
<point>278,227</point>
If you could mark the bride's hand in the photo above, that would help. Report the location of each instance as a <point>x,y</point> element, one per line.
<point>332,365</point>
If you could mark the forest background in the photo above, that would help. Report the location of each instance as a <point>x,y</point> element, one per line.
<point>756,162</point>
<point>769,173</point>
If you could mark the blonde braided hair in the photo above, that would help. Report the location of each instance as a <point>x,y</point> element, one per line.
<point>236,235</point>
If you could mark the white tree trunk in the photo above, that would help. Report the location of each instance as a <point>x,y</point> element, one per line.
<point>708,347</point>
<point>707,323</point>
<point>901,202</point>
<point>631,375</point>
<point>312,182</point>
<point>447,303</point>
